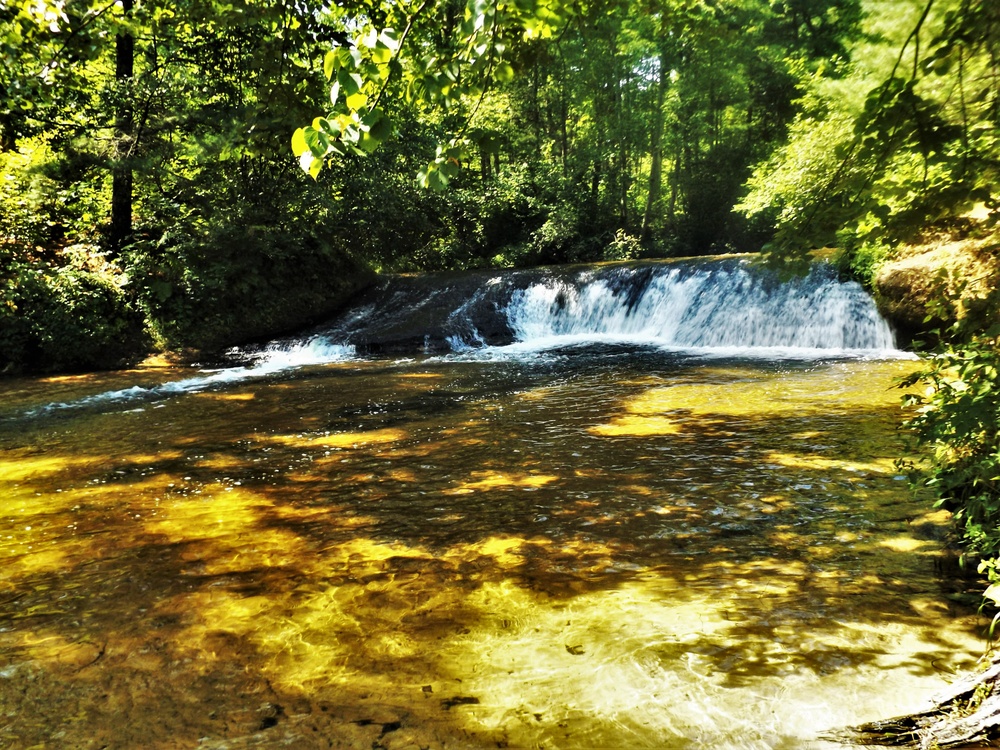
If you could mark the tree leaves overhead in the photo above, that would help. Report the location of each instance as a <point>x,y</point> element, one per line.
<point>922,146</point>
<point>451,72</point>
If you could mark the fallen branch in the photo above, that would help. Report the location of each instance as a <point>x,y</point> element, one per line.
<point>966,715</point>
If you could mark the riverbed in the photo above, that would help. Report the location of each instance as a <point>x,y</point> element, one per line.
<point>600,548</point>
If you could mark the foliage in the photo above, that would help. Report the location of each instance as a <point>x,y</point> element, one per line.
<point>472,52</point>
<point>652,117</point>
<point>919,147</point>
<point>959,420</point>
<point>228,242</point>
<point>66,316</point>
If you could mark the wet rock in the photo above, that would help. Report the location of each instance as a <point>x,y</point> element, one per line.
<point>459,700</point>
<point>269,714</point>
<point>931,278</point>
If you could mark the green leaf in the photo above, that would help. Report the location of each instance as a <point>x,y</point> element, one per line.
<point>381,54</point>
<point>369,144</point>
<point>351,83</point>
<point>347,57</point>
<point>372,72</point>
<point>329,63</point>
<point>315,167</point>
<point>314,140</point>
<point>504,72</point>
<point>451,167</point>
<point>379,126</point>
<point>390,38</point>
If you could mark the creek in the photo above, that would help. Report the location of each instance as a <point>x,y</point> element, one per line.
<point>643,505</point>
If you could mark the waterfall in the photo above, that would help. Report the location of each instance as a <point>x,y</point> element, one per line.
<point>713,307</point>
<point>710,306</point>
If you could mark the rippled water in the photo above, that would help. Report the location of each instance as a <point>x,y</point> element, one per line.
<point>620,550</point>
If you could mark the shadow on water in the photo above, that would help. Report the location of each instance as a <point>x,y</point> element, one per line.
<point>442,556</point>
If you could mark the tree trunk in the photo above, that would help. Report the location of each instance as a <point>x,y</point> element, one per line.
<point>121,179</point>
<point>484,164</point>
<point>656,153</point>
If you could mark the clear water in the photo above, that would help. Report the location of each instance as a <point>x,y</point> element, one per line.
<point>615,547</point>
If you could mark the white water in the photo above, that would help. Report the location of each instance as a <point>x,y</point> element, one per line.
<point>722,310</point>
<point>272,360</point>
<point>709,309</point>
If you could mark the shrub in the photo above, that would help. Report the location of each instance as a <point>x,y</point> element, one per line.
<point>68,316</point>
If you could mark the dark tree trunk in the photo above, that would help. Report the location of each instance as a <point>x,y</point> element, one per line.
<point>121,181</point>
<point>656,153</point>
<point>484,164</point>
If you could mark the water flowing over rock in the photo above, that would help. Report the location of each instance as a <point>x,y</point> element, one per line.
<point>726,303</point>
<point>723,307</point>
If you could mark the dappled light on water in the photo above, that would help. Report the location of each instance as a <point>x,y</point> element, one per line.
<point>611,554</point>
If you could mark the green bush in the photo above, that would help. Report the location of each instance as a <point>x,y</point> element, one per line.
<point>958,420</point>
<point>65,317</point>
<point>212,284</point>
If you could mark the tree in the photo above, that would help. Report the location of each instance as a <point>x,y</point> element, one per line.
<point>121,180</point>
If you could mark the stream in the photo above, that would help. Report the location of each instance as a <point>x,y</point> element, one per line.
<point>601,522</point>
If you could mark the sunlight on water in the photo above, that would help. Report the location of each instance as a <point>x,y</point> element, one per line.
<point>617,552</point>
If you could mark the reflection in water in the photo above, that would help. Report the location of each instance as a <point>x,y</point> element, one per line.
<point>615,552</point>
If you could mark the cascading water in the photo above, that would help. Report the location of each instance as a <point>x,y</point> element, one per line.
<point>709,306</point>
<point>721,304</point>
<point>712,307</point>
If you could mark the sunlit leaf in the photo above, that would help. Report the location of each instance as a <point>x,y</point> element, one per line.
<point>299,145</point>
<point>315,167</point>
<point>357,101</point>
<point>381,54</point>
<point>390,38</point>
<point>350,83</point>
<point>992,593</point>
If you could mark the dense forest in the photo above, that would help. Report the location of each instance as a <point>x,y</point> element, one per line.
<point>150,189</point>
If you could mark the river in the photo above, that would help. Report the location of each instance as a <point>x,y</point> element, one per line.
<point>561,540</point>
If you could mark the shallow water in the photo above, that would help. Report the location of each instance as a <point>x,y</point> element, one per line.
<point>621,550</point>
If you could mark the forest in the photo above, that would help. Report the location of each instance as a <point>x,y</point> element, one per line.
<point>186,176</point>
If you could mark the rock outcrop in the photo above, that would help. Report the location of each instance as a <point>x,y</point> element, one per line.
<point>949,277</point>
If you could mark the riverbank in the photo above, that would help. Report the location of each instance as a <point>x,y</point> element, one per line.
<point>950,274</point>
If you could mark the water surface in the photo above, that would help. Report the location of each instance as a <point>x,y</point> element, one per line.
<point>620,548</point>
